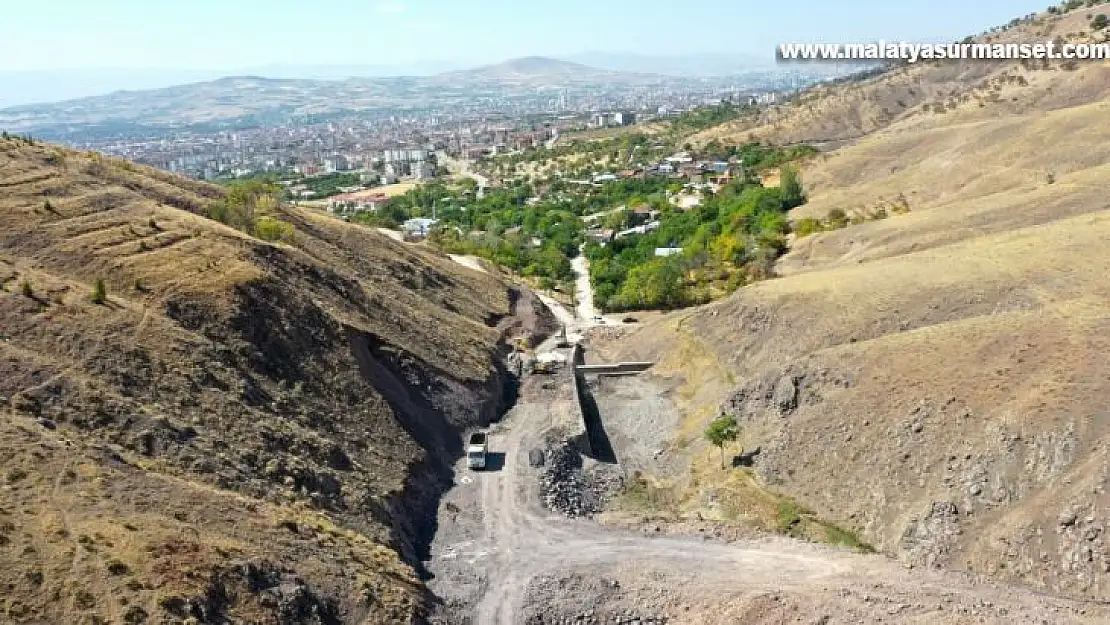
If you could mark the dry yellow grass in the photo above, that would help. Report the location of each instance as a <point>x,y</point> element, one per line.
<point>940,372</point>
<point>398,188</point>
<point>235,415</point>
<point>843,113</point>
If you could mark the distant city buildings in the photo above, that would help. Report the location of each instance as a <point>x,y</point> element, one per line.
<point>386,146</point>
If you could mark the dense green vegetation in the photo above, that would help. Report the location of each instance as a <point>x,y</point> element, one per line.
<point>535,239</point>
<point>757,156</point>
<point>731,238</point>
<point>512,226</point>
<point>324,185</point>
<point>327,185</point>
<point>708,116</point>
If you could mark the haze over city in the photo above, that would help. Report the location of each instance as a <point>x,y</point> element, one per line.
<point>98,47</point>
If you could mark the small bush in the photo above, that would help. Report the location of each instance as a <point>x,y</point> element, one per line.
<point>788,519</point>
<point>838,536</point>
<point>836,219</point>
<point>100,292</point>
<point>1100,22</point>
<point>270,229</point>
<point>27,289</point>
<point>807,226</point>
<point>115,567</point>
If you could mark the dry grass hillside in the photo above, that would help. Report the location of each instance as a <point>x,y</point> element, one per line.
<point>935,380</point>
<point>844,112</point>
<point>239,430</point>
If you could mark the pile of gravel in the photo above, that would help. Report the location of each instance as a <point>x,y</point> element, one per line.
<point>584,599</point>
<point>566,488</point>
<point>591,617</point>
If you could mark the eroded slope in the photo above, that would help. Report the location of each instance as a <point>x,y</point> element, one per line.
<point>935,379</point>
<point>240,429</point>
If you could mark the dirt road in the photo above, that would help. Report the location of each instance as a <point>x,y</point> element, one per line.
<point>584,290</point>
<point>496,544</point>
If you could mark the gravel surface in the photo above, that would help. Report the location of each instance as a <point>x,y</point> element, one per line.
<point>640,420</point>
<point>501,558</point>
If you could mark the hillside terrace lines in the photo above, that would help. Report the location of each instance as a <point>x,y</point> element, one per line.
<point>30,180</point>
<point>143,245</point>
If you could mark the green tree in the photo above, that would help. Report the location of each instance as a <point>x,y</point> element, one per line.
<point>100,292</point>
<point>722,431</point>
<point>1100,22</point>
<point>790,183</point>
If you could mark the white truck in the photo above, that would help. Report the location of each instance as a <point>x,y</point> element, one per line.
<point>476,449</point>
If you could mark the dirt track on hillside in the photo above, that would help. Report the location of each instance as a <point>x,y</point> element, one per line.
<point>499,558</point>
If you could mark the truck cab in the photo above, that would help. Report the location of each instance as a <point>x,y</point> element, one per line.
<point>476,449</point>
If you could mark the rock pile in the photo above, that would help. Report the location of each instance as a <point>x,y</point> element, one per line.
<point>582,600</point>
<point>566,488</point>
<point>591,617</point>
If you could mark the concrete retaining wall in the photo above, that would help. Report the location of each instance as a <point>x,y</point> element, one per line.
<point>621,368</point>
<point>582,438</point>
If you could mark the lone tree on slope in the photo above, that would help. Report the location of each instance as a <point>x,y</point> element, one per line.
<point>100,293</point>
<point>721,431</point>
<point>793,194</point>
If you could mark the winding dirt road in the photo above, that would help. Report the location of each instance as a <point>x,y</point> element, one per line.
<point>495,539</point>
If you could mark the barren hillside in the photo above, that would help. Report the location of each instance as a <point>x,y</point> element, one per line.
<point>936,379</point>
<point>239,429</point>
<point>844,112</point>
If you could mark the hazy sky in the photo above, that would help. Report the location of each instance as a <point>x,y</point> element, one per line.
<point>217,34</point>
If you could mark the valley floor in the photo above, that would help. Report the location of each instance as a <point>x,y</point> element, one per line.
<point>500,557</point>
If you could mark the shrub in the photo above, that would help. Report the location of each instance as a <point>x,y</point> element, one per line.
<point>806,227</point>
<point>270,229</point>
<point>99,293</point>
<point>115,567</point>
<point>1100,22</point>
<point>789,517</point>
<point>28,290</point>
<point>836,218</point>
<point>839,536</point>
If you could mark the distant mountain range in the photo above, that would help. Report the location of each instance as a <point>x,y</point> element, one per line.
<point>40,87</point>
<point>686,65</point>
<point>241,101</point>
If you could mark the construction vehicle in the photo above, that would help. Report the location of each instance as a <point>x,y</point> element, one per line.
<point>476,449</point>
<point>549,362</point>
<point>544,366</point>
